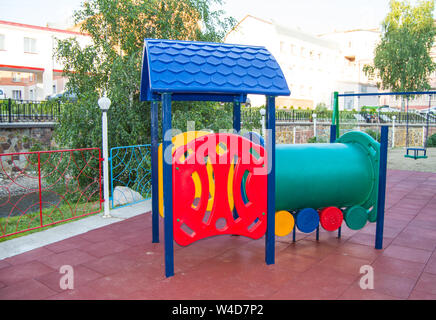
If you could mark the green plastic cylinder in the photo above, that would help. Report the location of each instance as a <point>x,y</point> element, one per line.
<point>327,174</point>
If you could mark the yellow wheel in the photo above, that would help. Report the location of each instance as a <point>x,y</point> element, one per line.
<point>284,223</point>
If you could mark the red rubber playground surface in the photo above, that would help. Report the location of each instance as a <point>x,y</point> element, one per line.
<point>120,262</point>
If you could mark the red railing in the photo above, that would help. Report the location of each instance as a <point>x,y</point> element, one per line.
<point>43,188</point>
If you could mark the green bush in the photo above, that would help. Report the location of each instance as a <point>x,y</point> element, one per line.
<point>374,134</point>
<point>431,141</point>
<point>316,140</point>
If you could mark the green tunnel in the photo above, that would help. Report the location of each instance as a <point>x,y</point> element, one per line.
<point>341,174</point>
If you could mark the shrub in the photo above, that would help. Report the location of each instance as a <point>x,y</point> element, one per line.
<point>374,134</point>
<point>431,141</point>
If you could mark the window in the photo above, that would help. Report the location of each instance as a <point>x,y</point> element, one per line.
<point>2,42</point>
<point>16,94</point>
<point>293,51</point>
<point>29,45</point>
<point>31,94</point>
<point>54,89</point>
<point>16,77</point>
<point>31,77</point>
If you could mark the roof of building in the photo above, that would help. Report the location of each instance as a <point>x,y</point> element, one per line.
<point>28,26</point>
<point>200,71</point>
<point>303,36</point>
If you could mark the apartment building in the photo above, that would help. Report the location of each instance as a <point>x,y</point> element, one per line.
<point>28,70</point>
<point>314,65</point>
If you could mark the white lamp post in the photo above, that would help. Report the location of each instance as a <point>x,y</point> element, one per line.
<point>262,113</point>
<point>104,103</point>
<point>393,131</point>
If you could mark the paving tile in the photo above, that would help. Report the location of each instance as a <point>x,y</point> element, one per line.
<point>419,295</point>
<point>415,240</point>
<point>29,289</point>
<point>4,264</point>
<point>354,292</point>
<point>431,265</point>
<point>406,253</point>
<point>29,256</point>
<point>21,272</point>
<point>344,263</point>
<point>71,257</point>
<point>392,285</point>
<point>68,244</point>
<point>104,248</point>
<point>403,268</point>
<point>368,239</point>
<point>358,251</point>
<point>427,283</point>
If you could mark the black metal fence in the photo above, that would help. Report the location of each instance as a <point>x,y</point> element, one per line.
<point>297,115</point>
<point>29,111</point>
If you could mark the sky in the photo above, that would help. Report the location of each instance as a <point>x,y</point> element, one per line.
<point>313,16</point>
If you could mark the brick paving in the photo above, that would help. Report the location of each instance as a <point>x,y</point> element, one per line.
<point>120,262</point>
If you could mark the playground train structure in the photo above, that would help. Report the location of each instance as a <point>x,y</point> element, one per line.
<point>209,184</point>
<point>219,183</point>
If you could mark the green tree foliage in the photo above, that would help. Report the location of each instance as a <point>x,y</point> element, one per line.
<point>402,59</point>
<point>112,64</point>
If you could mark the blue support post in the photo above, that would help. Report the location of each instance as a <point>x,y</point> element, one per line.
<point>237,130</point>
<point>167,184</point>
<point>154,172</point>
<point>293,234</point>
<point>271,185</point>
<point>317,233</point>
<point>333,140</point>
<point>382,187</point>
<point>236,116</point>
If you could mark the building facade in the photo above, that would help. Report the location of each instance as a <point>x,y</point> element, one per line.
<point>314,66</point>
<point>28,70</point>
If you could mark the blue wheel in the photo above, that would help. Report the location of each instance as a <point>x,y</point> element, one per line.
<point>307,220</point>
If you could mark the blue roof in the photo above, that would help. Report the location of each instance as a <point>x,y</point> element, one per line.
<point>209,71</point>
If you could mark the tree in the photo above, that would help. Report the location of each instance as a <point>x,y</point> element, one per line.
<point>112,64</point>
<point>402,59</point>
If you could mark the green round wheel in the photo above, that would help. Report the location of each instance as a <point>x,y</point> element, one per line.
<point>356,217</point>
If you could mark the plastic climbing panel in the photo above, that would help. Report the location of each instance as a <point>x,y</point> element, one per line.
<point>232,158</point>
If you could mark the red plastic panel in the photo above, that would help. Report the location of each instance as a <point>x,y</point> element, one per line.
<point>191,221</point>
<point>331,218</point>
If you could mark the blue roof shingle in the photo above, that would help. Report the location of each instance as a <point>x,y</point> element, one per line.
<point>208,71</point>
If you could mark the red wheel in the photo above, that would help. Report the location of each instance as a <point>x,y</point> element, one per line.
<point>331,218</point>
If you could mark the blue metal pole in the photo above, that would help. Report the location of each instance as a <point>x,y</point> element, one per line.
<point>237,116</point>
<point>111,198</point>
<point>293,234</point>
<point>333,140</point>
<point>237,130</point>
<point>271,184</point>
<point>382,187</point>
<point>167,184</point>
<point>154,171</point>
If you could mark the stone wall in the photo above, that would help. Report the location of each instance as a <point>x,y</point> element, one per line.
<point>16,138</point>
<point>303,131</point>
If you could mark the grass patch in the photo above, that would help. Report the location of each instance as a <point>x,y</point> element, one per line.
<point>10,225</point>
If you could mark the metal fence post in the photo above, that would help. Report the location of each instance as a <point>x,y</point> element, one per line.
<point>9,110</point>
<point>393,131</point>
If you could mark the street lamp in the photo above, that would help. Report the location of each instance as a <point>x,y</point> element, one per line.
<point>104,103</point>
<point>262,113</point>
